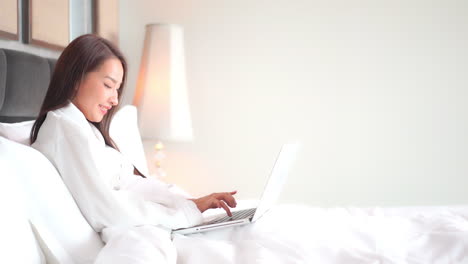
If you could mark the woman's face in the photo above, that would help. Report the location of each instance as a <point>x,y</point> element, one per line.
<point>97,93</point>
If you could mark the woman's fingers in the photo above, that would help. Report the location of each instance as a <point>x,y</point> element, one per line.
<point>227,197</point>
<point>225,207</point>
<point>217,200</point>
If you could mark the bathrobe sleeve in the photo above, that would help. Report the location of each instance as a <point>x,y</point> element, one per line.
<point>139,201</point>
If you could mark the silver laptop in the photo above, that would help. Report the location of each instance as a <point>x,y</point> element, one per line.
<point>270,195</point>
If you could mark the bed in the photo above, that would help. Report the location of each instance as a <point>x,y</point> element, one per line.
<point>42,224</point>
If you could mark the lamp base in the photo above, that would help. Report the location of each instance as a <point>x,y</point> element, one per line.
<point>158,159</point>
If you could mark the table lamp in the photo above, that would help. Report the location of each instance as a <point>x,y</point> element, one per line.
<point>161,93</point>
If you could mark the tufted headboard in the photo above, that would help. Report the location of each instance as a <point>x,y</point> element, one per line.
<point>24,79</point>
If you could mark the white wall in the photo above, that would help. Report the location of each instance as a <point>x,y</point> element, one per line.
<point>375,90</point>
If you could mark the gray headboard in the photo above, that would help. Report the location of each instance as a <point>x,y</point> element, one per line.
<point>24,79</point>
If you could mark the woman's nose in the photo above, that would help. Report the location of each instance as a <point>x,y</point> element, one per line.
<point>114,99</point>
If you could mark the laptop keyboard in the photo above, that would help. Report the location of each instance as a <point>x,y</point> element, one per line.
<point>242,214</point>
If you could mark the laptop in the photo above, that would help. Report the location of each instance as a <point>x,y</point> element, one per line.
<point>269,197</point>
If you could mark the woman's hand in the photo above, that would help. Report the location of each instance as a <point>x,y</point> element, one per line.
<point>216,200</point>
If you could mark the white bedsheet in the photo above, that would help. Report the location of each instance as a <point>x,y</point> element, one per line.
<point>317,235</point>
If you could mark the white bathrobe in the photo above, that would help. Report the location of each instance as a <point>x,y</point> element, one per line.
<point>101,180</point>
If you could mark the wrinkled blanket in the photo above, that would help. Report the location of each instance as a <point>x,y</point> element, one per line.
<point>302,234</point>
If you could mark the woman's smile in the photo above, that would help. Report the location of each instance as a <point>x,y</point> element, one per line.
<point>104,109</point>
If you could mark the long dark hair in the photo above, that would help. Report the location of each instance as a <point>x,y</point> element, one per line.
<point>83,55</point>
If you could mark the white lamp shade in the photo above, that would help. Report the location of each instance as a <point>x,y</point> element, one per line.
<point>161,92</point>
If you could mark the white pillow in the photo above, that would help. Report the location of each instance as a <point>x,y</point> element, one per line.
<point>18,132</point>
<point>50,205</point>
<point>124,131</point>
<point>17,239</point>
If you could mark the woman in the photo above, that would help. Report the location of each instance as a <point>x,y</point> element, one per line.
<point>72,131</point>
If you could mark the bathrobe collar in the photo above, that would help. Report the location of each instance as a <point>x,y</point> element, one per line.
<point>72,113</point>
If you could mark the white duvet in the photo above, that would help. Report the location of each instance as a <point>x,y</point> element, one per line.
<point>301,234</point>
